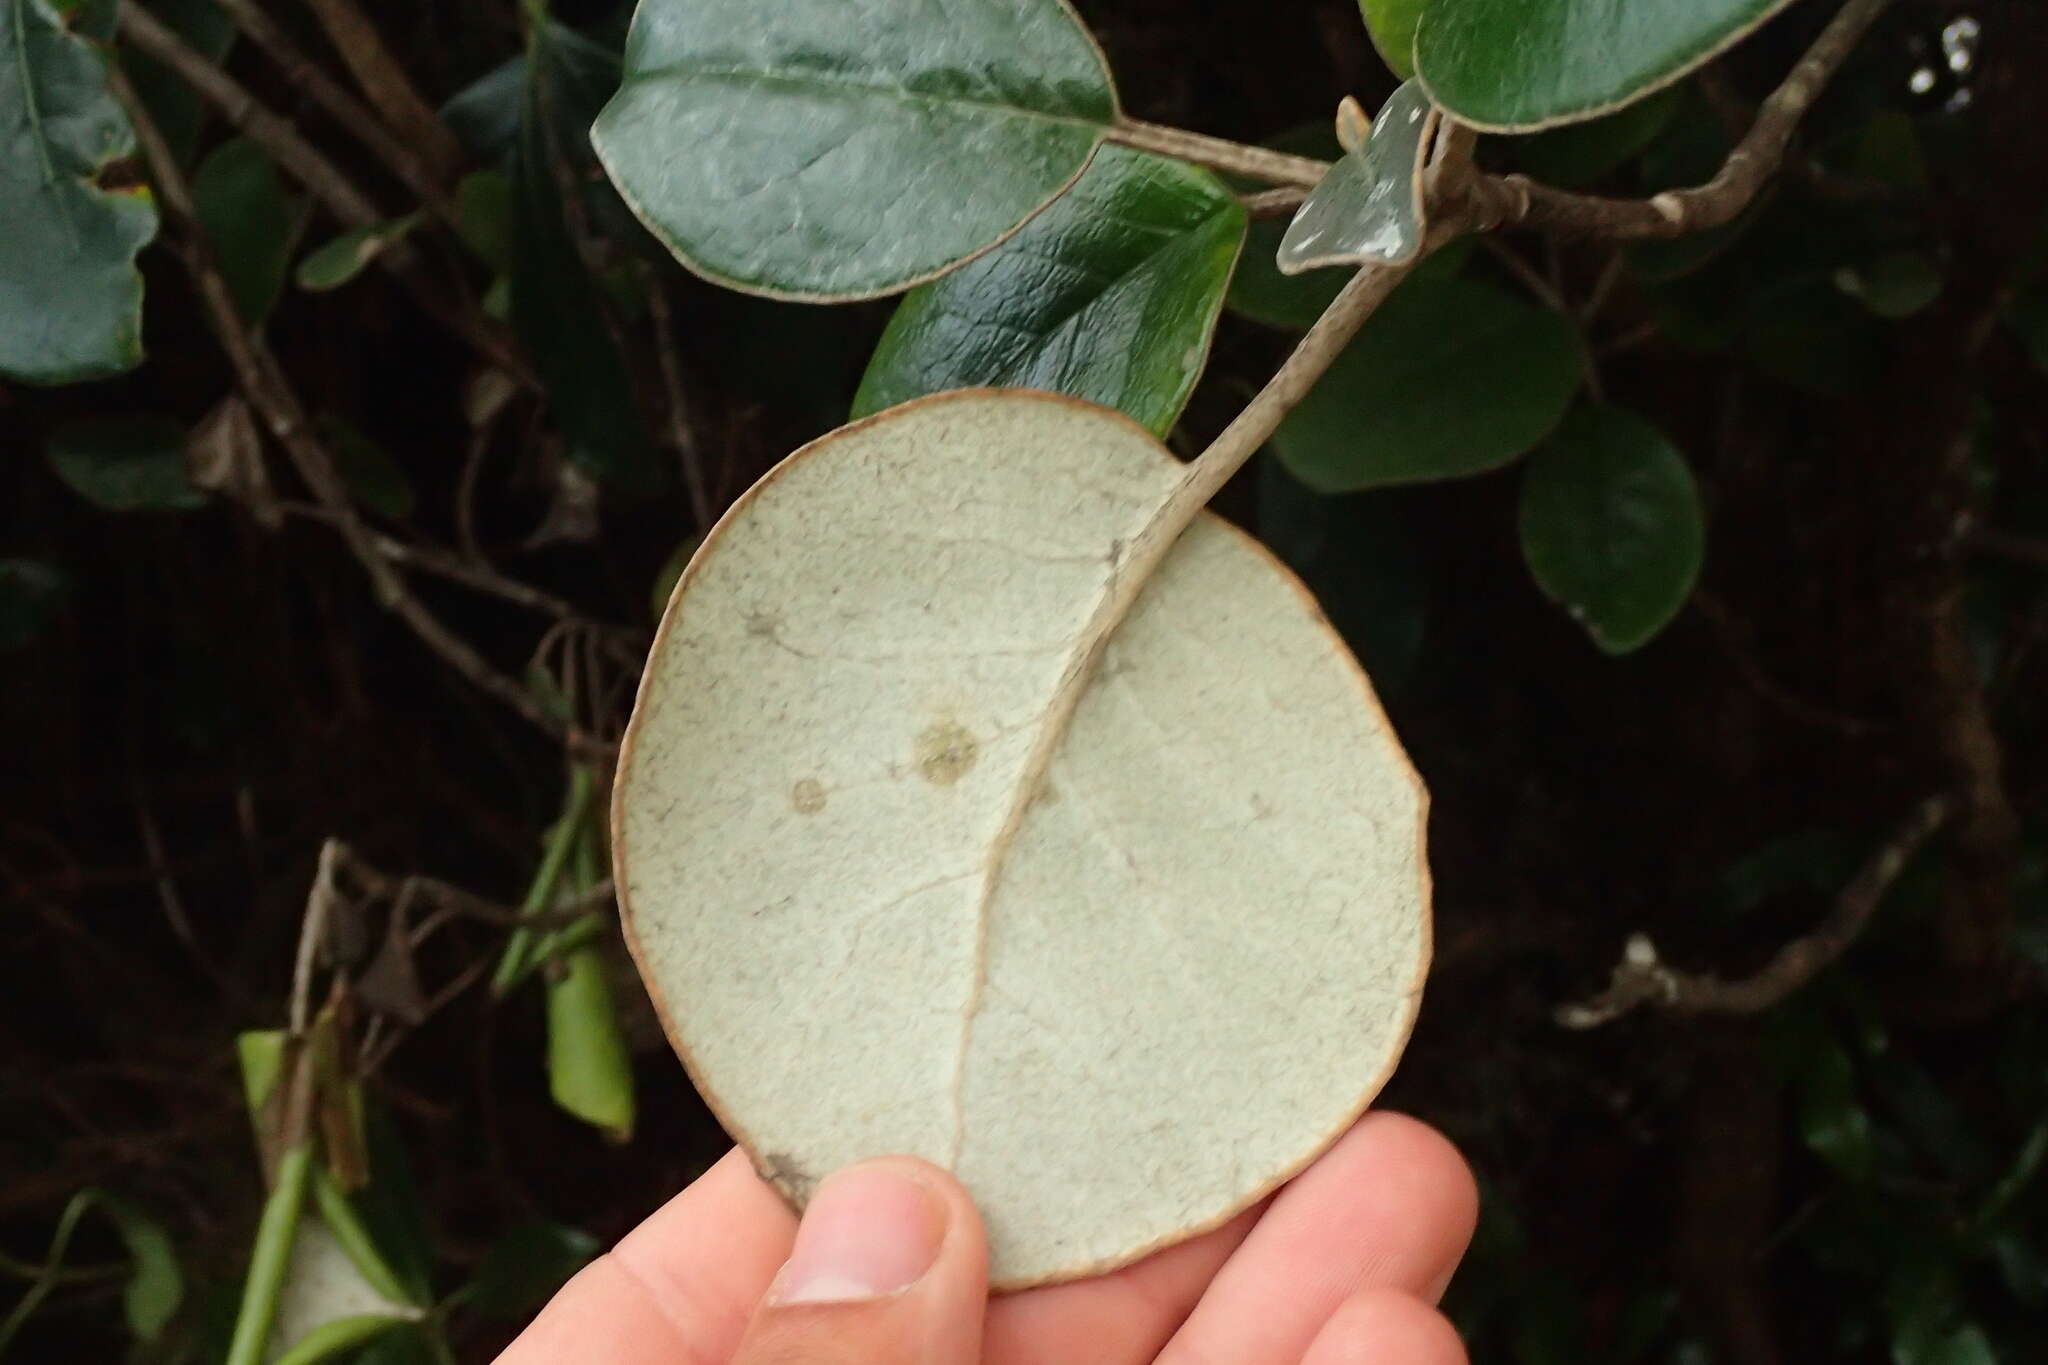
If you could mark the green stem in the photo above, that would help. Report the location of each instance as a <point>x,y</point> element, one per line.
<point>272,1257</point>
<point>562,841</point>
<point>67,1223</point>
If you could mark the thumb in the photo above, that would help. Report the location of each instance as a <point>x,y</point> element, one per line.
<point>889,1268</point>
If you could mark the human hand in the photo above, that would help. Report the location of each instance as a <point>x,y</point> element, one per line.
<point>1343,1266</point>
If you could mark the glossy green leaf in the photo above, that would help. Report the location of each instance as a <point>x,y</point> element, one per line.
<point>334,264</point>
<point>1448,378</point>
<point>243,207</point>
<point>1803,332</point>
<point>70,295</point>
<point>555,305</point>
<point>1520,65</point>
<point>524,1268</point>
<point>590,1073</point>
<point>1392,26</point>
<point>31,595</point>
<point>377,479</point>
<point>1581,153</point>
<point>1611,525</point>
<point>793,150</point>
<point>1110,295</point>
<point>125,464</point>
<point>336,1339</point>
<point>1368,209</point>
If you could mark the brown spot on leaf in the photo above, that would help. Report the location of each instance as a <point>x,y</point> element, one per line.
<point>945,752</point>
<point>808,796</point>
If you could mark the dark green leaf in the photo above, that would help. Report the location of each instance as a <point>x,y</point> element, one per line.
<point>484,115</point>
<point>125,464</point>
<point>1582,153</point>
<point>555,306</point>
<point>1611,525</point>
<point>1895,284</point>
<point>1448,378</point>
<point>1888,150</point>
<point>1520,65</point>
<point>524,1268</point>
<point>335,263</point>
<point>1355,553</point>
<point>670,572</point>
<point>1805,333</point>
<point>1392,26</point>
<point>70,295</point>
<point>789,150</point>
<point>1819,861</point>
<point>1967,1345</point>
<point>483,205</point>
<point>377,480</point>
<point>590,1073</point>
<point>1109,295</point>
<point>1368,209</point>
<point>172,103</point>
<point>156,1286</point>
<point>242,206</point>
<point>31,595</point>
<point>1832,1120</point>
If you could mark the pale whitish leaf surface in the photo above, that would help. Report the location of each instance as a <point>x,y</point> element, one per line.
<point>324,1285</point>
<point>826,149</point>
<point>1122,991</point>
<point>1368,209</point>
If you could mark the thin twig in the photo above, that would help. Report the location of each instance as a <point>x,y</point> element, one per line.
<point>681,433</point>
<point>312,934</point>
<point>405,159</point>
<point>384,80</point>
<point>1280,202</point>
<point>264,382</point>
<point>1517,201</point>
<point>1641,978</point>
<point>1257,163</point>
<point>2007,545</point>
<point>321,177</point>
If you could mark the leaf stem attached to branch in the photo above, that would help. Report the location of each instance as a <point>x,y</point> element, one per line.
<point>1258,163</point>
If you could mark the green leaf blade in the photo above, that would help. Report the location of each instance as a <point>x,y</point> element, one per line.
<point>1611,525</point>
<point>1392,26</point>
<point>125,464</point>
<point>243,207</point>
<point>1521,65</point>
<point>70,295</point>
<point>789,152</point>
<point>1449,378</point>
<point>1110,295</point>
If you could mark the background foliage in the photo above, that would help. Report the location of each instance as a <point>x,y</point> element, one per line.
<point>1686,568</point>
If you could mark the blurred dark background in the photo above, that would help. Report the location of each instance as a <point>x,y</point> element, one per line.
<point>201,688</point>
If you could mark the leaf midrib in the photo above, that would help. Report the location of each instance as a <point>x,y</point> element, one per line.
<point>742,75</point>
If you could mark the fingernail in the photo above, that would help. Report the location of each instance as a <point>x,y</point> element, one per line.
<point>870,1231</point>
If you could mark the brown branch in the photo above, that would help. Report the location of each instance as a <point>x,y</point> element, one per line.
<point>418,162</point>
<point>682,434</point>
<point>1280,202</point>
<point>1257,163</point>
<point>385,82</point>
<point>1640,978</point>
<point>264,382</point>
<point>321,177</point>
<point>1517,201</point>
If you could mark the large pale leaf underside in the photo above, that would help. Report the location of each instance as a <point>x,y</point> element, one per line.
<point>1122,998</point>
<point>829,149</point>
